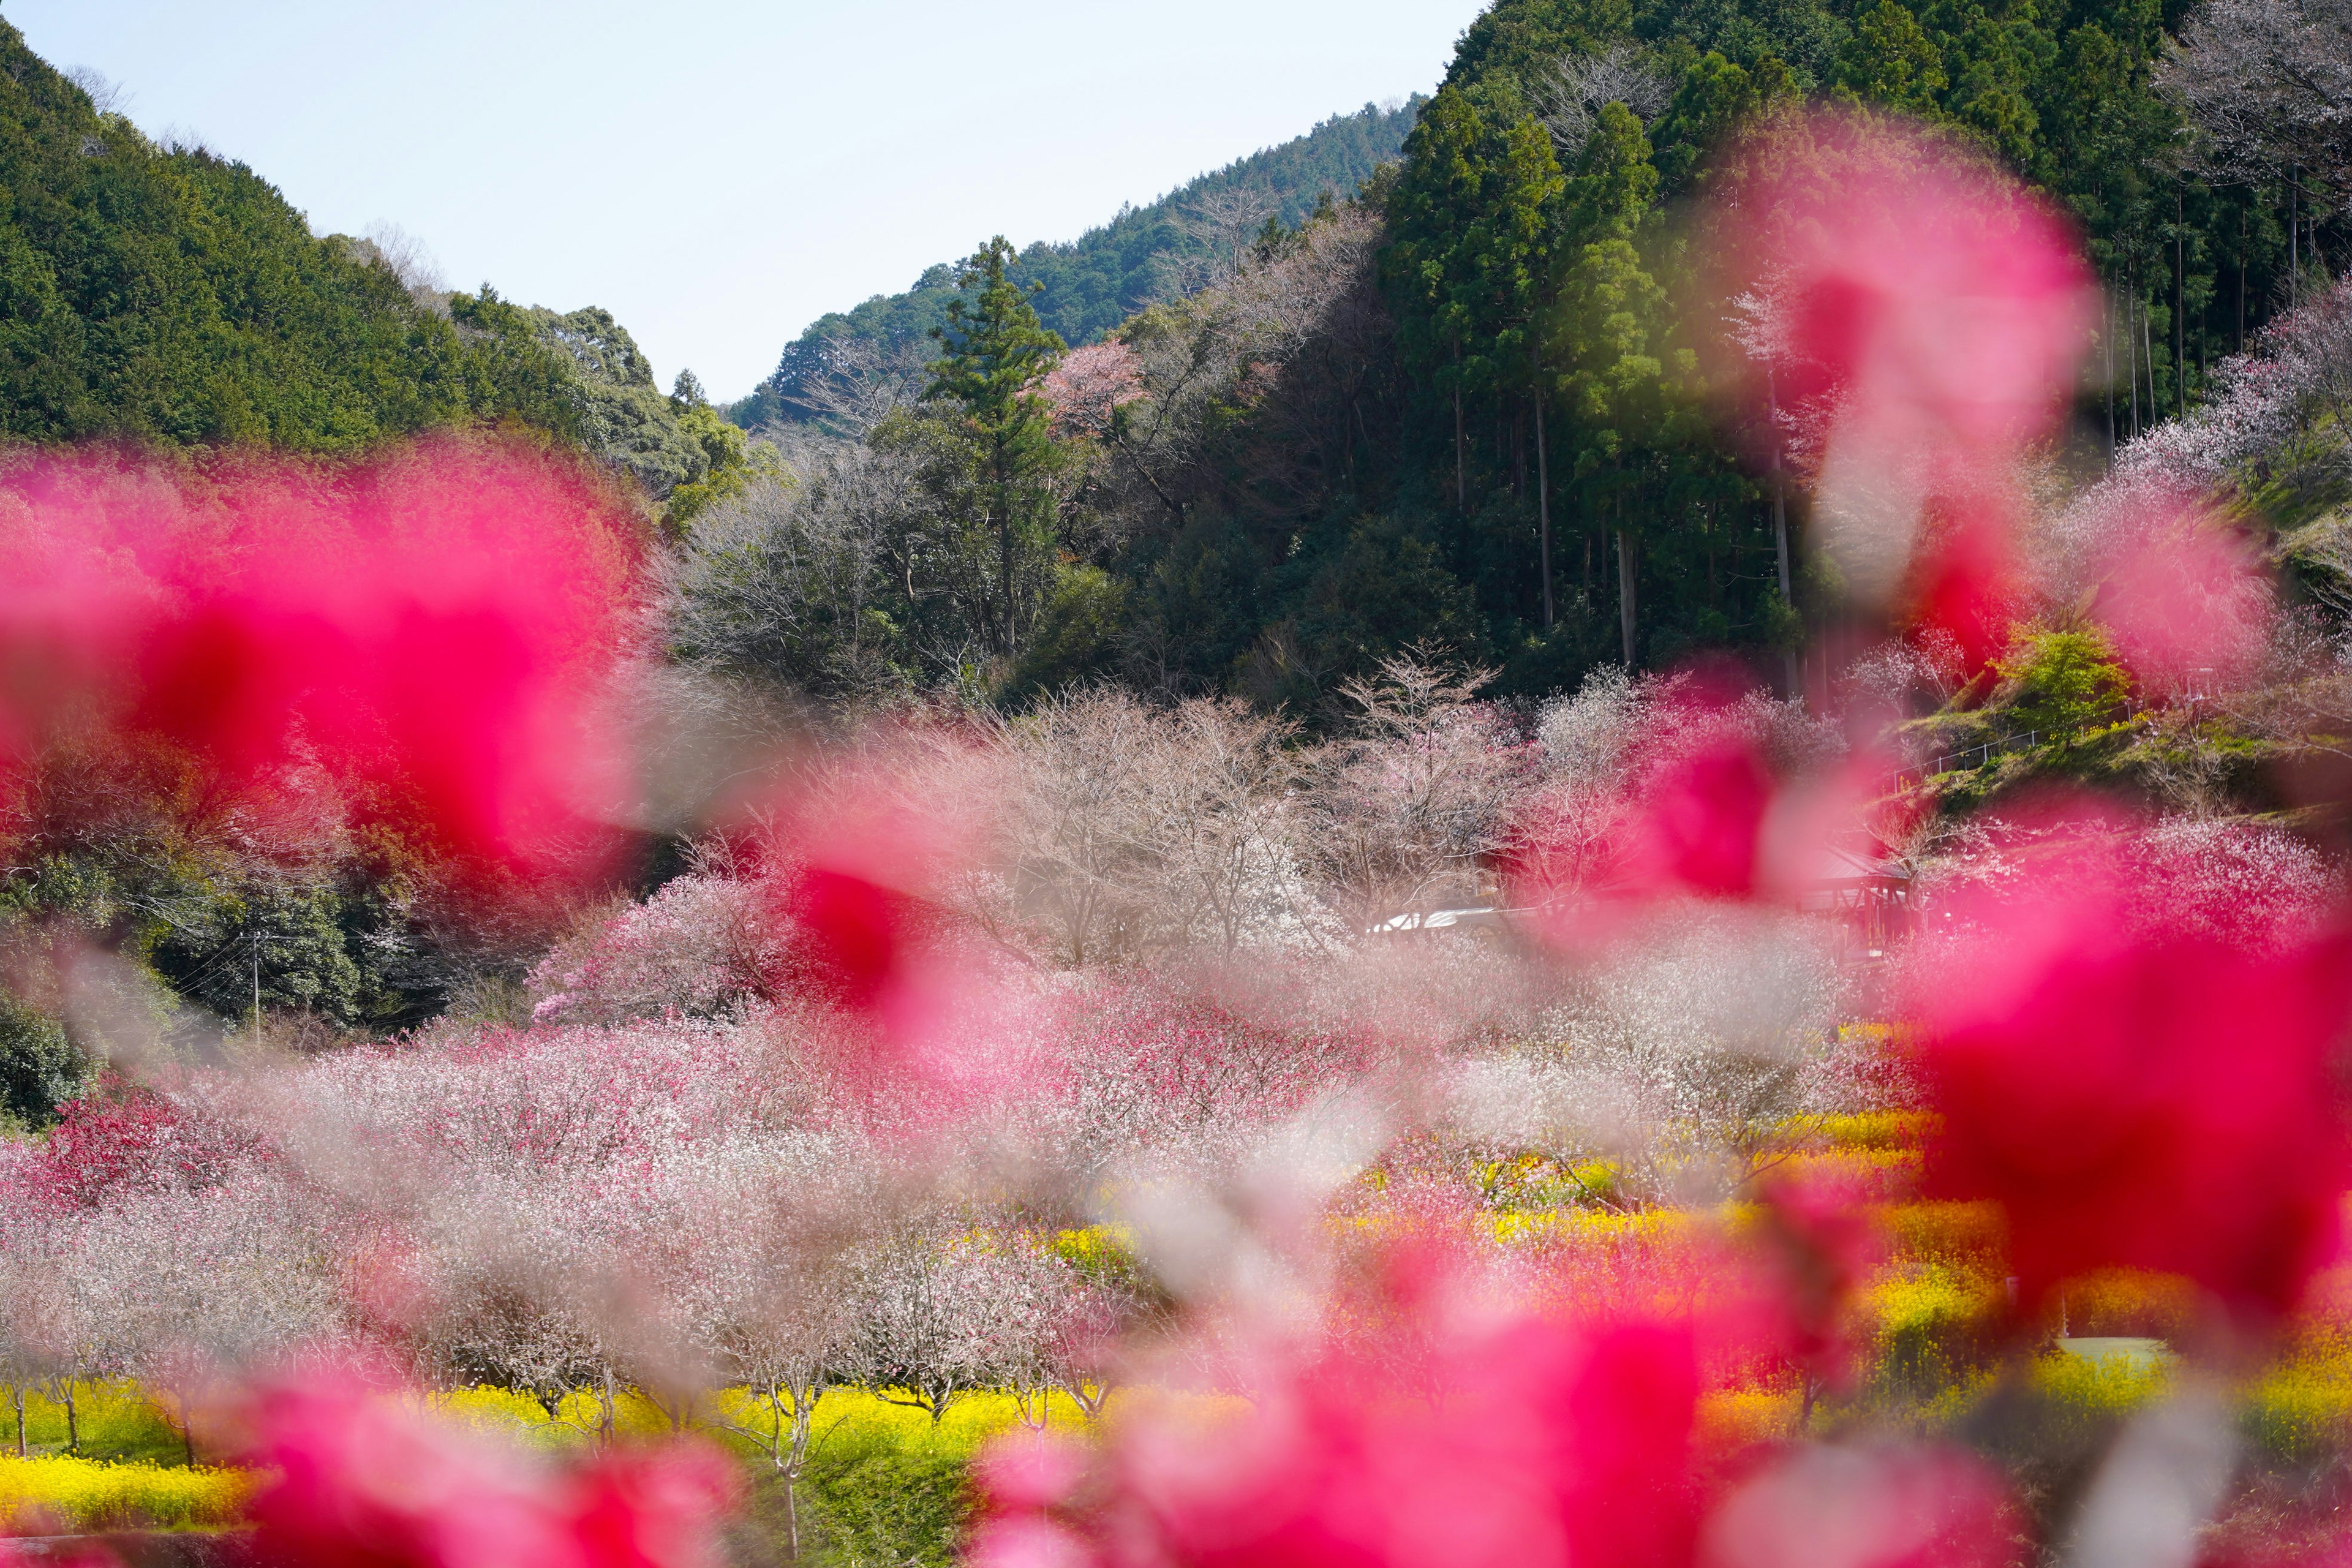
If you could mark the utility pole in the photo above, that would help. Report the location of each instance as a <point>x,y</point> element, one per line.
<point>257,938</point>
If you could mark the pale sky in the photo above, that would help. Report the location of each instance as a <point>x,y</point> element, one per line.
<point>720,173</point>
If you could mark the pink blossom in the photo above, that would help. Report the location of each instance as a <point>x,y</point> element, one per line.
<point>1558,1445</point>
<point>127,1137</point>
<point>2183,599</point>
<point>1833,1507</point>
<point>1715,793</point>
<point>1926,313</point>
<point>2133,1090</point>
<point>361,1478</point>
<point>1818,1246</point>
<point>433,626</point>
<point>1090,385</point>
<point>1929,290</point>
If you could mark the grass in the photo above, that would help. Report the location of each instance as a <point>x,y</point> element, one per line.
<point>58,1492</point>
<point>116,1420</point>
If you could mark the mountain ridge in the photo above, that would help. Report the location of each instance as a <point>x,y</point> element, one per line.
<point>1097,280</point>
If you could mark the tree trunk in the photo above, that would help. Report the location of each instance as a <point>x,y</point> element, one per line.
<point>73,1420</point>
<point>2179,308</point>
<point>2238,344</point>
<point>2131,339</point>
<point>2294,238</point>
<point>1780,526</point>
<point>1625,593</point>
<point>1543,509</point>
<point>1519,455</point>
<point>16,1398</point>
<point>1461,485</point>
<point>2109,334</point>
<point>793,1456</point>
<point>1004,551</point>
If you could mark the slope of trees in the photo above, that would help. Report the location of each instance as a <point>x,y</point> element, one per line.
<point>1090,285</point>
<point>1546,308</point>
<point>166,293</point>
<point>1499,401</point>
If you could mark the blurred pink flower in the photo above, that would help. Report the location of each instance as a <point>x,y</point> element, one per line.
<point>1722,795</point>
<point>1921,313</point>
<point>360,1478</point>
<point>1820,1243</point>
<point>860,937</point>
<point>436,625</point>
<point>1834,1507</point>
<point>2133,1090</point>
<point>2184,600</point>
<point>1926,286</point>
<point>1558,1445</point>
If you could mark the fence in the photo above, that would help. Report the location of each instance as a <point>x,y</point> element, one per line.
<point>1938,767</point>
<point>2197,691</point>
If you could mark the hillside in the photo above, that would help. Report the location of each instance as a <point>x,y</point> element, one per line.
<point>165,293</point>
<point>1093,283</point>
<point>1496,405</point>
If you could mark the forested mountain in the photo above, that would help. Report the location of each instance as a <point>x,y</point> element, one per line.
<point>163,293</point>
<point>1360,439</point>
<point>1089,286</point>
<point>170,294</point>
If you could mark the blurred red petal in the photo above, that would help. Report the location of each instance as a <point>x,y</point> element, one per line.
<point>2136,1093</point>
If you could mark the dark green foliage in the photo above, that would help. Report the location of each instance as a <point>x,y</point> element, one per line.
<point>40,1070</point>
<point>620,414</point>
<point>678,447</point>
<point>1480,241</point>
<point>1077,635</point>
<point>280,941</point>
<point>1089,286</point>
<point>170,294</point>
<point>1479,409</point>
<point>994,349</point>
<point>1889,60</point>
<point>355,928</point>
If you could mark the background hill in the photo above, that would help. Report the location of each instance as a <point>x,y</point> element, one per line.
<point>1093,283</point>
<point>165,293</point>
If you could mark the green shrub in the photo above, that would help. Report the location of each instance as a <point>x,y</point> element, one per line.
<point>2064,683</point>
<point>40,1069</point>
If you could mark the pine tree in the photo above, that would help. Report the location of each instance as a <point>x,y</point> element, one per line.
<point>996,351</point>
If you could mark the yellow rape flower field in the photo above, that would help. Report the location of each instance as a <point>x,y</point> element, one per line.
<point>57,1493</point>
